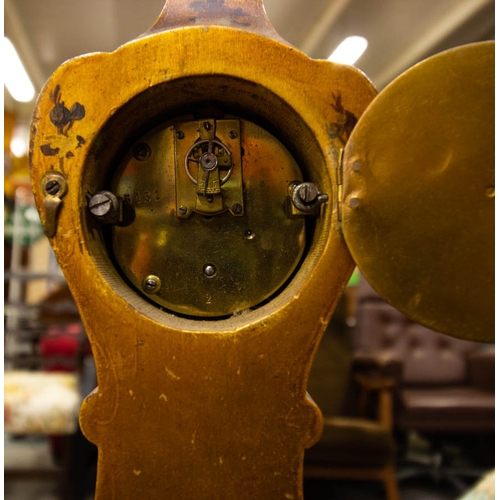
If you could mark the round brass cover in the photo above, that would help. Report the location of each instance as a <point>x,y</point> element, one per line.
<point>208,264</point>
<point>419,195</point>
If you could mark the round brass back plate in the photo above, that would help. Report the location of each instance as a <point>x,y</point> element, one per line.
<point>419,195</point>
<point>210,234</point>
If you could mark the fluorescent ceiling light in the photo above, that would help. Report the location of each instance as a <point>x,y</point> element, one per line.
<point>20,141</point>
<point>16,79</point>
<point>350,50</point>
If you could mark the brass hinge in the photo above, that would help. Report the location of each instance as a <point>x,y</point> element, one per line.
<point>339,177</point>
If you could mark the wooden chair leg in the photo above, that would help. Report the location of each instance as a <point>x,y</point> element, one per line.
<point>391,483</point>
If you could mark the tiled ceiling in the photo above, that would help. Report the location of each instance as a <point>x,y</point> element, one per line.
<point>400,32</point>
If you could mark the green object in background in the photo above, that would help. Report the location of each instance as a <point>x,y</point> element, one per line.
<point>354,279</point>
<point>23,223</point>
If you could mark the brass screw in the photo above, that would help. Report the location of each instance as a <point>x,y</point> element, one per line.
<point>52,187</point>
<point>151,284</point>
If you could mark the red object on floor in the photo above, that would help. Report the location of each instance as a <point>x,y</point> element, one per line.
<point>60,346</point>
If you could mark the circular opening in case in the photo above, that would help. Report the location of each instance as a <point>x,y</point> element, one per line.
<point>170,228</point>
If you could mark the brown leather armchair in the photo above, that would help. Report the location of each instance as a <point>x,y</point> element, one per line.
<point>444,387</point>
<point>444,384</point>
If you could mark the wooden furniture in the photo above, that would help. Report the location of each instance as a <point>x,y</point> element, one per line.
<point>356,447</point>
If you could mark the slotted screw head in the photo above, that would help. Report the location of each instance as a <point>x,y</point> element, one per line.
<point>100,204</point>
<point>52,187</point>
<point>308,192</point>
<point>151,284</point>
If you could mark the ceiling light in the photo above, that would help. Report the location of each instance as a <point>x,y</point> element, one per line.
<point>350,50</point>
<point>18,147</point>
<point>16,79</point>
<point>20,141</point>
